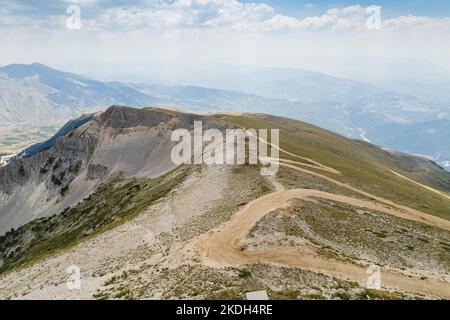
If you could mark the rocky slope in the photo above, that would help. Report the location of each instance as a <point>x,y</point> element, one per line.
<point>58,173</point>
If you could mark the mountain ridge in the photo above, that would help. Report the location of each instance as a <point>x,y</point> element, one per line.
<point>111,142</point>
<point>335,206</point>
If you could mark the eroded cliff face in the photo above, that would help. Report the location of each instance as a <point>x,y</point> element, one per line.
<point>121,140</point>
<point>43,183</point>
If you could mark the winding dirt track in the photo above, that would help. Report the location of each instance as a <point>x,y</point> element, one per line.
<point>390,206</point>
<point>222,245</point>
<point>422,185</point>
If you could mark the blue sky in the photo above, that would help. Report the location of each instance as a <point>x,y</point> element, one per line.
<point>392,8</point>
<point>295,8</point>
<point>259,32</point>
<point>299,9</point>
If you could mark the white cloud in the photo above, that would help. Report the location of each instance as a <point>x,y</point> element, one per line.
<point>82,2</point>
<point>280,22</point>
<point>338,18</point>
<point>229,14</point>
<point>218,30</point>
<point>225,14</point>
<point>417,22</point>
<point>154,15</point>
<point>242,17</point>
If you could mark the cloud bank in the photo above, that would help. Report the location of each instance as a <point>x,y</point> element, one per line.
<point>217,30</point>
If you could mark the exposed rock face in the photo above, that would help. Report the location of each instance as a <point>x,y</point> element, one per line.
<point>65,170</point>
<point>123,117</point>
<point>97,171</point>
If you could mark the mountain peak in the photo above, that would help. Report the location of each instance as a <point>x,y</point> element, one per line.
<point>18,71</point>
<point>33,65</point>
<point>118,116</point>
<point>41,66</point>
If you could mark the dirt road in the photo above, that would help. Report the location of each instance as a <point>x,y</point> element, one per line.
<point>222,245</point>
<point>422,185</point>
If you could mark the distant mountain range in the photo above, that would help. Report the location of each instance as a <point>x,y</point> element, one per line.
<point>420,78</point>
<point>36,95</point>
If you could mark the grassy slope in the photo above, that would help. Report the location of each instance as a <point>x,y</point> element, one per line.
<point>361,164</point>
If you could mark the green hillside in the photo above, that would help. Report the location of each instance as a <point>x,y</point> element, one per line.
<point>362,165</point>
